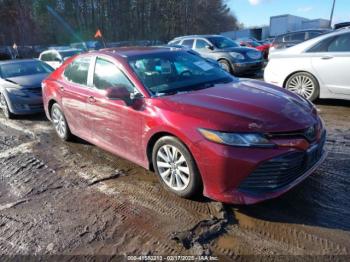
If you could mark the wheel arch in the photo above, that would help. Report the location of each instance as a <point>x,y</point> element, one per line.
<point>49,106</point>
<point>152,141</point>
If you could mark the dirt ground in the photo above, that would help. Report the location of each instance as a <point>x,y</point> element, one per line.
<point>76,199</point>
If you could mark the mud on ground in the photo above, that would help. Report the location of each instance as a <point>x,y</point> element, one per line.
<point>74,198</point>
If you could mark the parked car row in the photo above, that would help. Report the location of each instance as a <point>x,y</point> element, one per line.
<point>169,110</point>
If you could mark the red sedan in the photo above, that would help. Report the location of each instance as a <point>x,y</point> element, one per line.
<point>200,129</point>
<point>264,48</point>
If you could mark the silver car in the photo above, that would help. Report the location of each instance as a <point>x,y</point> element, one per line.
<point>317,68</point>
<point>20,86</point>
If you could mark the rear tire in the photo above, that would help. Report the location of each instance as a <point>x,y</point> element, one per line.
<point>176,168</point>
<point>304,84</point>
<point>60,123</point>
<point>5,108</point>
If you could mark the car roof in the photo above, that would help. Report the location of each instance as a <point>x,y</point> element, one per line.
<point>135,50</point>
<point>16,61</point>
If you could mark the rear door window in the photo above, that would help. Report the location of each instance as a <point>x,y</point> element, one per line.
<point>333,44</point>
<point>188,43</point>
<point>340,44</point>
<point>77,72</point>
<point>201,44</point>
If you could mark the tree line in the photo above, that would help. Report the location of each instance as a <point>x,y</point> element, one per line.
<point>29,22</point>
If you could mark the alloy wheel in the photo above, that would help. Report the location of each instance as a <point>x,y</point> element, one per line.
<point>173,167</point>
<point>302,85</point>
<point>224,65</point>
<point>59,122</point>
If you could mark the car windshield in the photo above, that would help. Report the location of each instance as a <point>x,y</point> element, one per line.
<point>24,68</point>
<point>176,71</point>
<point>222,42</point>
<point>67,54</point>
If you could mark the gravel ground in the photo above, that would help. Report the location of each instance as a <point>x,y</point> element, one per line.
<point>76,199</point>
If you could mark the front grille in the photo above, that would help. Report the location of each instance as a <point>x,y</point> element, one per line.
<point>277,173</point>
<point>311,137</point>
<point>36,91</point>
<point>36,106</point>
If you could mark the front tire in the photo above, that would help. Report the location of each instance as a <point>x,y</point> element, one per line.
<point>5,108</point>
<point>60,123</point>
<point>304,84</point>
<point>176,168</point>
<point>225,65</point>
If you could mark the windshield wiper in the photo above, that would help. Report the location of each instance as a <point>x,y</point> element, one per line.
<point>174,92</point>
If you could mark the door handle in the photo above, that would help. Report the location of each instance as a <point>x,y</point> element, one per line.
<point>326,57</point>
<point>62,88</point>
<point>91,99</point>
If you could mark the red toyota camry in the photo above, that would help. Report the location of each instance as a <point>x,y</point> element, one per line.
<point>200,129</point>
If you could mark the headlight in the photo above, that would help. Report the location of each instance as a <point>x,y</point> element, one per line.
<point>16,92</point>
<point>237,56</point>
<point>236,139</point>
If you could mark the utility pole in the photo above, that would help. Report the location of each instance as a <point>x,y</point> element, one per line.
<point>331,18</point>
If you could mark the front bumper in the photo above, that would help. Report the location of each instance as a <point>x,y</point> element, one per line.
<point>19,105</point>
<point>230,173</point>
<point>247,67</point>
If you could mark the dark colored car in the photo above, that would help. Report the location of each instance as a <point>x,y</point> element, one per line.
<point>87,45</point>
<point>199,128</point>
<point>264,48</point>
<point>294,38</point>
<point>6,53</point>
<point>341,25</point>
<point>20,86</point>
<point>230,55</point>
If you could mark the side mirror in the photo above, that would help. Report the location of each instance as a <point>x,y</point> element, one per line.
<point>210,47</point>
<point>118,93</point>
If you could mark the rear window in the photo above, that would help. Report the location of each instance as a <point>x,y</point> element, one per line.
<point>297,36</point>
<point>176,42</point>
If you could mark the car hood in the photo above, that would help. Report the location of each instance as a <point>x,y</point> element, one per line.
<point>245,105</point>
<point>28,81</point>
<point>242,50</point>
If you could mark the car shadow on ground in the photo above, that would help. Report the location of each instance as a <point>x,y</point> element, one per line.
<point>332,102</point>
<point>40,117</point>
